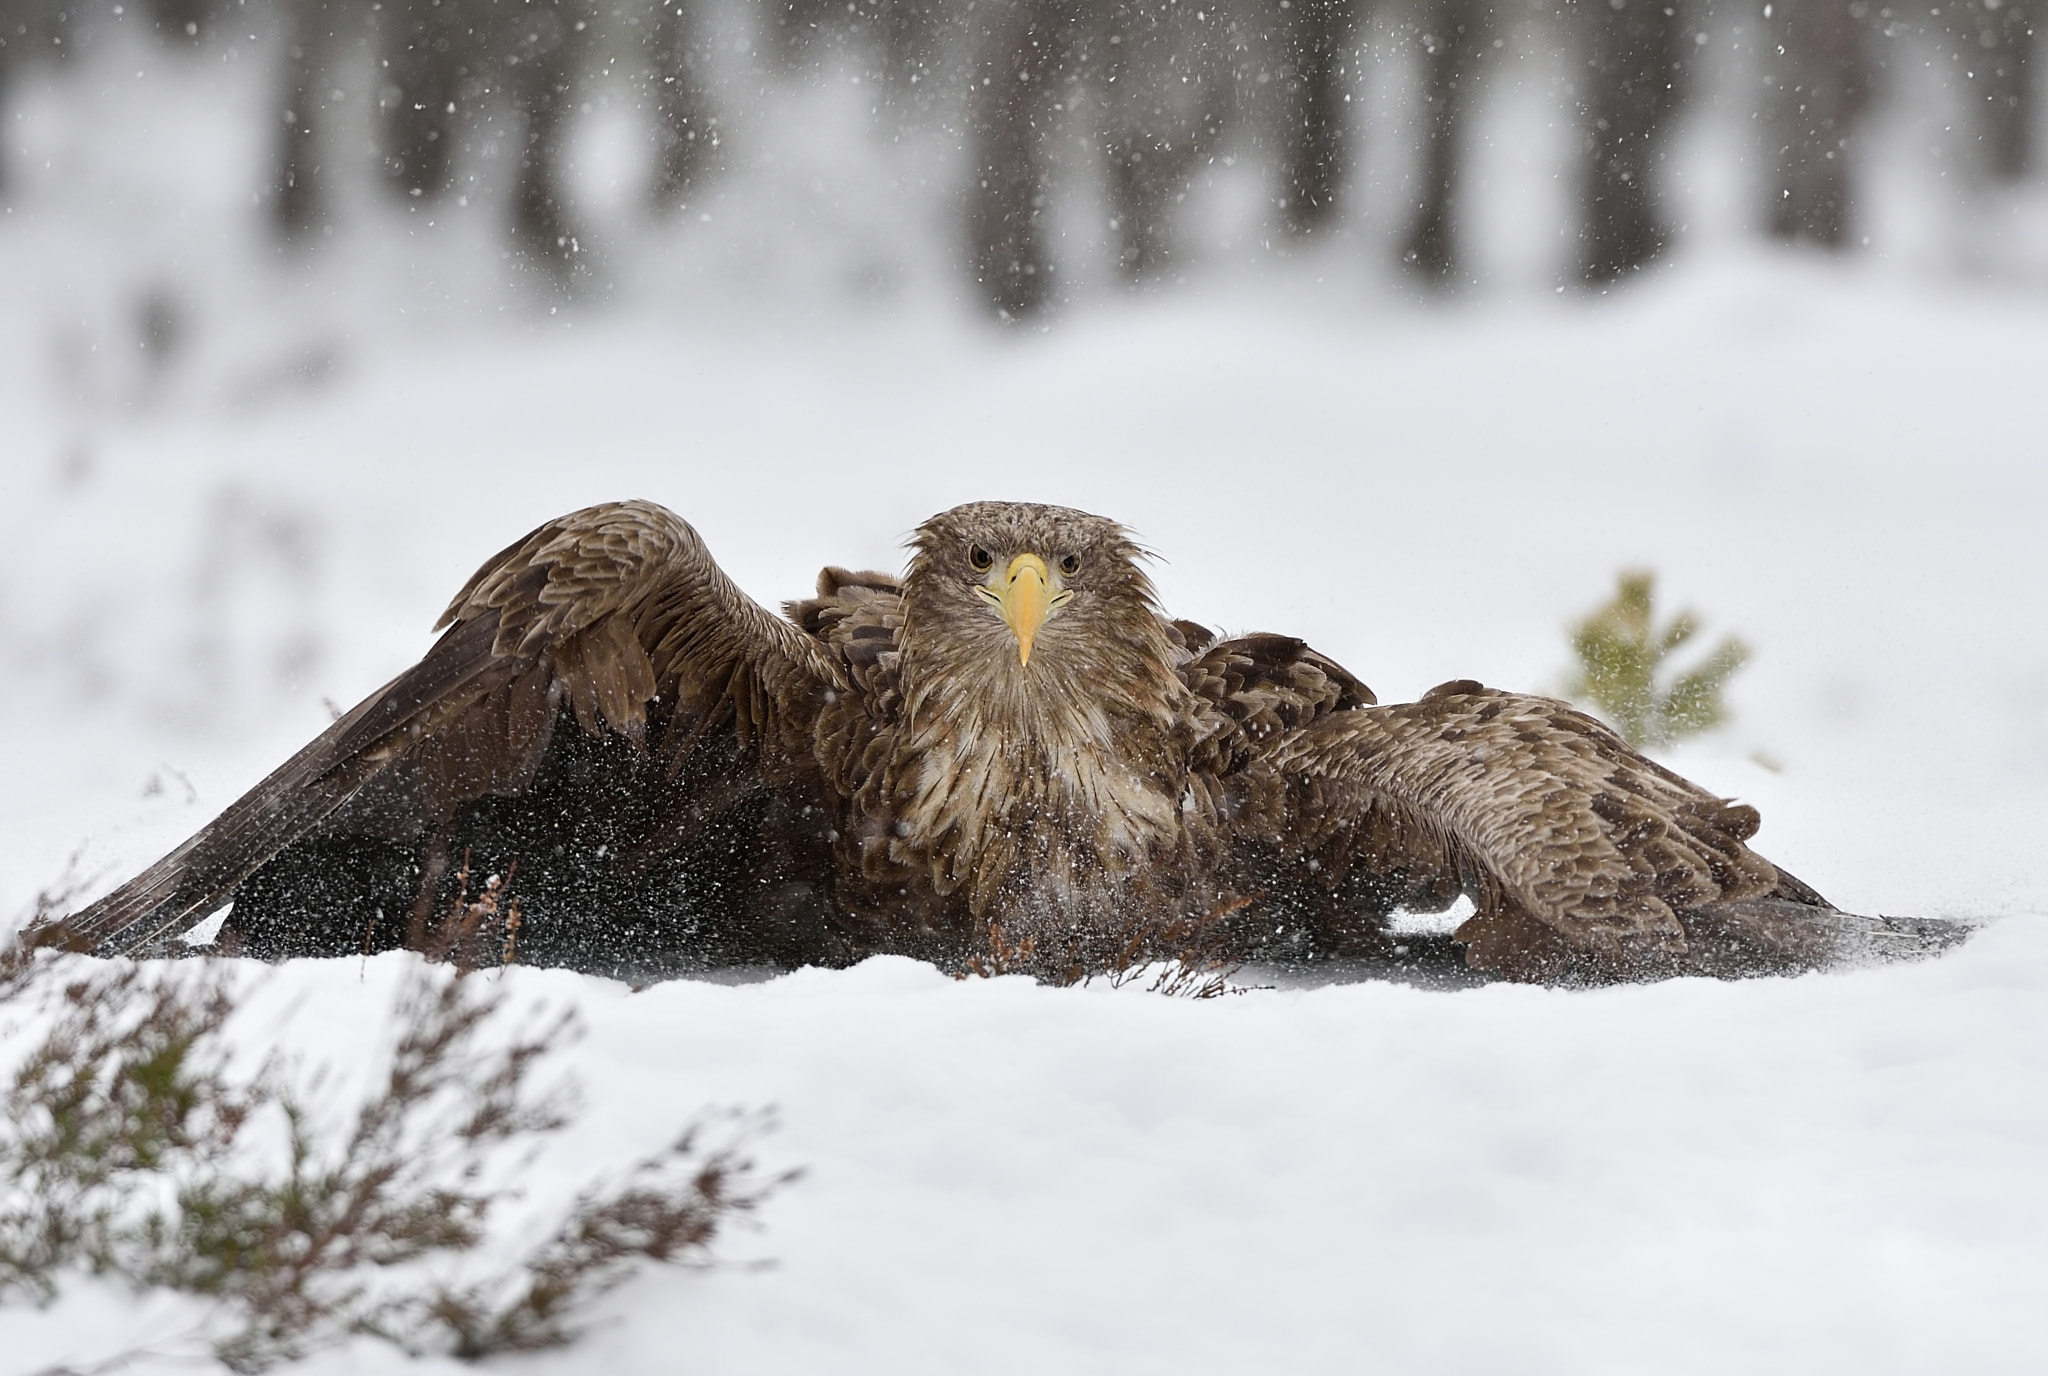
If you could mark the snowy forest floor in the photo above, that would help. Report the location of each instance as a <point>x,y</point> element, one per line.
<point>1836,1172</point>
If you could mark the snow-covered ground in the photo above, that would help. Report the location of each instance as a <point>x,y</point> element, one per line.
<point>1838,1172</point>
<point>1844,465</point>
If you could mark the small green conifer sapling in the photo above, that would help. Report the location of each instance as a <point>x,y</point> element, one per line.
<point>1623,674</point>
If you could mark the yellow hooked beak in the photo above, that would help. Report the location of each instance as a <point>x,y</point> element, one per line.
<point>1025,596</point>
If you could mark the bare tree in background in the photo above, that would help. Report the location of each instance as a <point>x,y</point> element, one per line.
<point>1998,40</point>
<point>315,33</point>
<point>446,61</point>
<point>14,26</point>
<point>1817,80</point>
<point>1627,78</point>
<point>1133,96</point>
<point>1030,45</point>
<point>184,21</point>
<point>1163,81</point>
<point>1631,83</point>
<point>1989,47</point>
<point>1823,62</point>
<point>30,31</point>
<point>1150,86</point>
<point>904,38</point>
<point>444,65</point>
<point>1168,88</point>
<point>682,101</point>
<point>1456,37</point>
<point>1317,50</point>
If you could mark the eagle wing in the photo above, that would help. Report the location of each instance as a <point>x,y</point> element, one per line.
<point>1583,858</point>
<point>615,610</point>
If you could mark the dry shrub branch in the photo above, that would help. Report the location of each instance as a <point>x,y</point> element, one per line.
<point>1188,957</point>
<point>133,1146</point>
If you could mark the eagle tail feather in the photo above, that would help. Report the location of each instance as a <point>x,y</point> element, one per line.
<point>1779,936</point>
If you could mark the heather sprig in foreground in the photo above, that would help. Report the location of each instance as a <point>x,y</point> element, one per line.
<point>137,1145</point>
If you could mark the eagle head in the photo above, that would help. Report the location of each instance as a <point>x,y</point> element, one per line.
<point>1045,590</point>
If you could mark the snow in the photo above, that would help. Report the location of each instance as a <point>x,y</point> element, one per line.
<point>1842,464</point>
<point>1838,1171</point>
<point>1830,1173</point>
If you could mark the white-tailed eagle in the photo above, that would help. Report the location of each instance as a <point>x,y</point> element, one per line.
<point>1010,749</point>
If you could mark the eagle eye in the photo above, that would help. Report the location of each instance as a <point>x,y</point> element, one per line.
<point>982,560</point>
<point>1070,564</point>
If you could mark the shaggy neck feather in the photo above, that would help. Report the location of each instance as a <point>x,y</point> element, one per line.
<point>1063,767</point>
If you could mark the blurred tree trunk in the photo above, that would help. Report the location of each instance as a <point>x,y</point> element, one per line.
<point>1630,86</point>
<point>313,29</point>
<point>903,35</point>
<point>682,103</point>
<point>183,21</point>
<point>794,25</point>
<point>1456,36</point>
<point>1150,86</point>
<point>1165,89</point>
<point>1316,44</point>
<point>542,75</point>
<point>912,40</point>
<point>30,30</point>
<point>440,61</point>
<point>12,32</point>
<point>1818,72</point>
<point>1995,46</point>
<point>423,63</point>
<point>1026,45</point>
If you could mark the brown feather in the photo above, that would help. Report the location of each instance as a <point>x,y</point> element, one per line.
<point>608,603</point>
<point>1137,774</point>
<point>1563,825</point>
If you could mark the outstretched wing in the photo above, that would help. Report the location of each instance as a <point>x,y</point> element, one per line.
<point>1264,686</point>
<point>1584,859</point>
<point>612,610</point>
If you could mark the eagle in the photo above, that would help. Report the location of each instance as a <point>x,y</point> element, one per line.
<point>1009,758</point>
